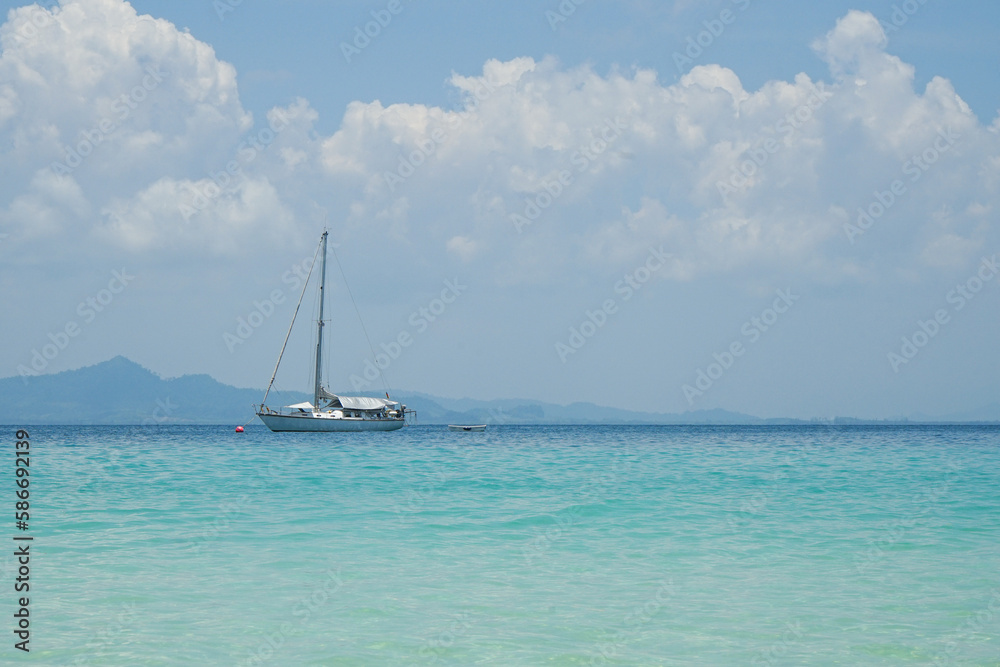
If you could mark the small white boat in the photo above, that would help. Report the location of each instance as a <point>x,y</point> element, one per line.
<point>458,427</point>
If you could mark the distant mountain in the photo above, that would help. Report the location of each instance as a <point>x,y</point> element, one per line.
<point>522,411</point>
<point>120,391</point>
<point>988,413</point>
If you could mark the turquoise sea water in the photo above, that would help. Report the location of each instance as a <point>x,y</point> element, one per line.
<point>518,546</point>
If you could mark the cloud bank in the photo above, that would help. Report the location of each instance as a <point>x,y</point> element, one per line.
<point>121,130</point>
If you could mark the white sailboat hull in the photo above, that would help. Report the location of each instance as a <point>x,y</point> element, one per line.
<point>309,423</point>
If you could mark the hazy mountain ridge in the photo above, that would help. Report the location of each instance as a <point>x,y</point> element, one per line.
<point>120,391</point>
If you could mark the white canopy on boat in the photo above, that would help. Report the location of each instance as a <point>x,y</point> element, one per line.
<point>358,402</point>
<point>302,406</point>
<point>365,403</point>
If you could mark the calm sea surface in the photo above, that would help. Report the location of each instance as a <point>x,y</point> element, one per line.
<point>518,546</point>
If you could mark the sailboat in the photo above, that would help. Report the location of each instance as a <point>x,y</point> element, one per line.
<point>327,411</point>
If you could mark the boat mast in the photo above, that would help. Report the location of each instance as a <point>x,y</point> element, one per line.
<point>319,341</point>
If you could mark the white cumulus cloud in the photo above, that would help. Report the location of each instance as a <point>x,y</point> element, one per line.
<point>130,133</point>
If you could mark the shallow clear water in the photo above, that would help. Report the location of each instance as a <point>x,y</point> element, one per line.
<point>518,546</point>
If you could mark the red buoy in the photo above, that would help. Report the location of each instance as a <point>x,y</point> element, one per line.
<point>239,429</point>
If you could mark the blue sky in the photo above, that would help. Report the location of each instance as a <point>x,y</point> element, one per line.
<point>292,48</point>
<point>799,220</point>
